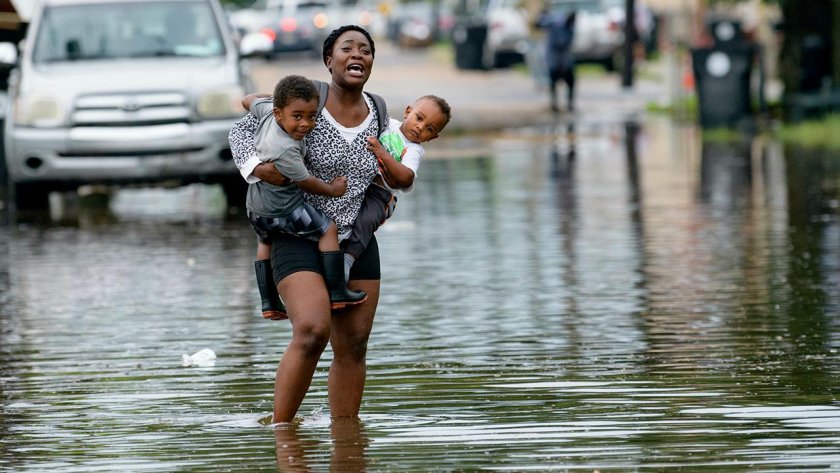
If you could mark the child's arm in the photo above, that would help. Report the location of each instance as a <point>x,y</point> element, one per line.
<point>251,98</point>
<point>396,175</point>
<point>335,188</point>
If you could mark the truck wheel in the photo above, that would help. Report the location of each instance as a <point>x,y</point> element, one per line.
<point>30,196</point>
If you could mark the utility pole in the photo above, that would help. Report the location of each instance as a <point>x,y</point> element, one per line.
<point>629,41</point>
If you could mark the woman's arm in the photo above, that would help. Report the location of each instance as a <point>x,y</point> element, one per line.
<point>245,155</point>
<point>396,175</point>
<point>335,188</point>
<point>251,98</point>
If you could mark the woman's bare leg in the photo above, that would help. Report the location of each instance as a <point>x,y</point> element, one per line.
<point>308,306</point>
<point>350,332</point>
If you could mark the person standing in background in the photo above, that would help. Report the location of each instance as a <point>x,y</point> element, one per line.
<point>560,32</point>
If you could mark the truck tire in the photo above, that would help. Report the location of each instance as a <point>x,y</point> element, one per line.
<point>30,197</point>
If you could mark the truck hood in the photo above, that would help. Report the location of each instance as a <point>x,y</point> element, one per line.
<point>189,75</point>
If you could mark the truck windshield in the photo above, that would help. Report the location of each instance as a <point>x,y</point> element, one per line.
<point>124,30</point>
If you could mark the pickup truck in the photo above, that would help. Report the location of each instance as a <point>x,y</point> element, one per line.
<point>120,92</point>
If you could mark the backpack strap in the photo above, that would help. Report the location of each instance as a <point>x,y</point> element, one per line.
<point>378,102</point>
<point>323,90</point>
<point>381,111</point>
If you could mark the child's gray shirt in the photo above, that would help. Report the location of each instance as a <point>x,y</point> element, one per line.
<point>275,145</point>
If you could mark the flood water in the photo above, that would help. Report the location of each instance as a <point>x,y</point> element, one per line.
<point>613,298</point>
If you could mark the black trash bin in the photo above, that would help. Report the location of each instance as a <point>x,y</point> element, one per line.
<point>722,77</point>
<point>815,63</point>
<point>468,36</point>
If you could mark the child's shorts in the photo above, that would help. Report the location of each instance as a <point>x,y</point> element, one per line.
<point>305,221</point>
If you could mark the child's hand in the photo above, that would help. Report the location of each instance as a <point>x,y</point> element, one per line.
<point>339,186</point>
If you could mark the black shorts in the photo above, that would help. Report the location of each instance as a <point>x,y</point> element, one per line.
<point>292,254</point>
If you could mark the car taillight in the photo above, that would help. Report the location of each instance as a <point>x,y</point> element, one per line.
<point>287,25</point>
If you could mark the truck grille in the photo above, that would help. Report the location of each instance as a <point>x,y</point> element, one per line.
<point>131,109</point>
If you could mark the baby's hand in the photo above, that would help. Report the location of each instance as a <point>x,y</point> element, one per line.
<point>339,186</point>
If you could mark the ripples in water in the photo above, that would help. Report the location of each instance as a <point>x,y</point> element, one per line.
<point>631,306</point>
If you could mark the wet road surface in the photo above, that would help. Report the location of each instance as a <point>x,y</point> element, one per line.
<point>613,298</point>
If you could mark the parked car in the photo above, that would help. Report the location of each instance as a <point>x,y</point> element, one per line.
<point>508,33</point>
<point>286,25</point>
<point>420,23</point>
<point>411,24</point>
<point>369,14</point>
<point>598,34</point>
<point>599,29</point>
<point>123,91</point>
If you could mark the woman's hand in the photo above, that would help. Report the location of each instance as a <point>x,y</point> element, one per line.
<point>268,172</point>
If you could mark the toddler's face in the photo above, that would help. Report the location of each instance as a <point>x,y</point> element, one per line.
<point>298,117</point>
<point>423,121</point>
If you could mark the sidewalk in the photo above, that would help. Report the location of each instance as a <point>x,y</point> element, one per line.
<point>480,100</point>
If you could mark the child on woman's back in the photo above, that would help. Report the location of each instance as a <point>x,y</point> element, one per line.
<point>399,152</point>
<point>283,123</point>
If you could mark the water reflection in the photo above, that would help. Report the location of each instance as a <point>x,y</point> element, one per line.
<point>298,453</point>
<point>590,296</point>
<point>726,172</point>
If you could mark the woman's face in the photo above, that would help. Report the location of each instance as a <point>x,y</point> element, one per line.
<point>351,60</point>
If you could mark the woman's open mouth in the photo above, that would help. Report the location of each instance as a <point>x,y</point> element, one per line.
<point>356,70</point>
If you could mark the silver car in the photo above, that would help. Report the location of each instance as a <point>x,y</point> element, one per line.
<point>508,33</point>
<point>122,91</point>
<point>599,30</point>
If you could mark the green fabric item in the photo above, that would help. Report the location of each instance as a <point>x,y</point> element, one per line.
<point>394,144</point>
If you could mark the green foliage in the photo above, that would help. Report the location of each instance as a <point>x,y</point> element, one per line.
<point>683,109</point>
<point>722,135</point>
<point>821,134</point>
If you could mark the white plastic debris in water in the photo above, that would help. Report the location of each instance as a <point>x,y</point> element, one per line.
<point>203,357</point>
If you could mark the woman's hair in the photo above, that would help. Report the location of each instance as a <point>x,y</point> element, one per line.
<point>329,43</point>
<point>294,87</point>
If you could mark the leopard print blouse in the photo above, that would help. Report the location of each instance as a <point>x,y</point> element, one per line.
<point>328,155</point>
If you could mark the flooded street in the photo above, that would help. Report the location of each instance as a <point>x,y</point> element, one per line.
<point>609,297</point>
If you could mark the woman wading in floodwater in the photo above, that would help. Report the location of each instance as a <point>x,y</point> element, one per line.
<point>335,146</point>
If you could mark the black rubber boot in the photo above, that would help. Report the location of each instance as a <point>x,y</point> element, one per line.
<point>340,296</point>
<point>272,305</point>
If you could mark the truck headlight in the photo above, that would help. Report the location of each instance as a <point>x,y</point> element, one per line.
<point>221,103</point>
<point>40,111</point>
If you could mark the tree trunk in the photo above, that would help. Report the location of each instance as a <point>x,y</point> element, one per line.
<point>807,21</point>
<point>835,42</point>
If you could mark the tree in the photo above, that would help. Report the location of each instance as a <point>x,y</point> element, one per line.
<point>811,47</point>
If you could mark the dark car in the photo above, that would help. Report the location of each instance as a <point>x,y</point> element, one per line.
<point>419,23</point>
<point>278,26</point>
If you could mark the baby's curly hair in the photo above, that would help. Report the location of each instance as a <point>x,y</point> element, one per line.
<point>294,87</point>
<point>442,105</point>
<point>329,43</point>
